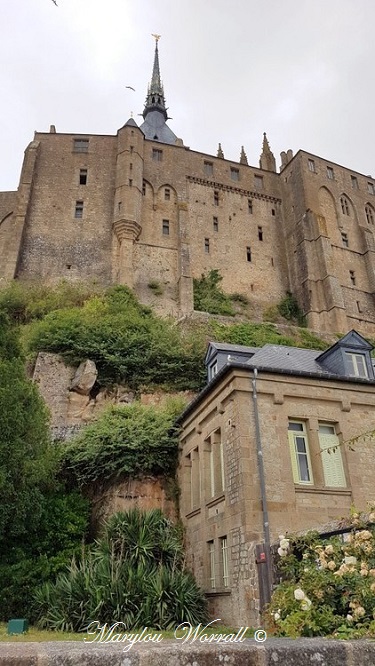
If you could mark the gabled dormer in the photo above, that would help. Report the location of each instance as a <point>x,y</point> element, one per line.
<point>219,354</point>
<point>349,357</point>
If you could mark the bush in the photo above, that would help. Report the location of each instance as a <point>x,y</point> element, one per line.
<point>209,297</point>
<point>127,342</point>
<point>329,586</point>
<point>134,574</point>
<point>133,440</point>
<point>290,310</point>
<point>250,335</point>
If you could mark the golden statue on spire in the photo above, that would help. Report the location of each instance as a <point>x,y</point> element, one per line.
<point>157,37</point>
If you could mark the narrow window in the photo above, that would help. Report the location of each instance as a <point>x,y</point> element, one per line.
<point>330,173</point>
<point>83,176</point>
<point>195,478</point>
<point>299,452</point>
<point>131,166</point>
<point>207,245</point>
<point>216,464</point>
<point>143,188</point>
<point>165,227</point>
<point>212,371</point>
<point>273,212</point>
<point>130,182</point>
<point>78,212</point>
<point>216,198</point>
<point>81,145</point>
<point>208,168</point>
<point>224,568</point>
<point>344,238</point>
<point>131,148</point>
<point>271,261</point>
<point>258,182</point>
<point>211,565</point>
<point>248,253</point>
<point>119,206</point>
<point>216,224</point>
<point>369,215</point>
<point>234,173</point>
<point>359,307</point>
<point>344,205</point>
<point>311,165</point>
<point>157,154</point>
<point>250,206</point>
<point>333,467</point>
<point>167,194</point>
<point>354,180</point>
<point>260,233</point>
<point>352,277</point>
<point>371,188</point>
<point>356,364</point>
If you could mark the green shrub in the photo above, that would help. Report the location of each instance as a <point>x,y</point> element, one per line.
<point>133,440</point>
<point>329,586</point>
<point>156,287</point>
<point>134,574</point>
<point>250,335</point>
<point>209,297</point>
<point>290,310</point>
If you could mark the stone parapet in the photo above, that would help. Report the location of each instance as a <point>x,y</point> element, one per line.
<point>283,652</point>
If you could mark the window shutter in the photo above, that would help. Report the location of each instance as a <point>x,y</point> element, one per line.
<point>333,467</point>
<point>293,457</point>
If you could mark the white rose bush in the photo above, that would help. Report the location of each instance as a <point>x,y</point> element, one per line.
<point>328,586</point>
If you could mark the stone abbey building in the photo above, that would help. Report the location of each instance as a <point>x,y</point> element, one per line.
<point>141,208</point>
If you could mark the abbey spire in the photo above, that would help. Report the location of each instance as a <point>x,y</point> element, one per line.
<point>267,160</point>
<point>155,112</point>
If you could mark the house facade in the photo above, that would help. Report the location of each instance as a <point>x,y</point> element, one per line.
<point>264,452</point>
<point>138,207</point>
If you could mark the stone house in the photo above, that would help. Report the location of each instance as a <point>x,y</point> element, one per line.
<point>264,453</point>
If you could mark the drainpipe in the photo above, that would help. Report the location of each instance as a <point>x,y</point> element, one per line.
<point>266,525</point>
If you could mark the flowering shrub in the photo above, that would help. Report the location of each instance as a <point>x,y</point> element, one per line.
<point>328,586</point>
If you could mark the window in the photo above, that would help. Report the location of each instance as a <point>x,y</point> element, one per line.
<point>157,154</point>
<point>131,148</point>
<point>371,188</point>
<point>208,168</point>
<point>333,468</point>
<point>131,166</point>
<point>143,188</point>
<point>211,565</point>
<point>258,182</point>
<point>234,173</point>
<point>78,212</point>
<point>273,212</point>
<point>207,245</point>
<point>213,371</point>
<point>260,233</point>
<point>345,240</point>
<point>311,165</point>
<point>119,205</point>
<point>352,277</point>
<point>369,214</point>
<point>248,253</point>
<point>216,198</point>
<point>165,227</point>
<point>167,194</point>
<point>359,306</point>
<point>216,224</point>
<point>130,182</point>
<point>299,452</point>
<point>344,206</point>
<point>83,176</point>
<point>194,482</point>
<point>81,145</point>
<point>354,180</point>
<point>356,364</point>
<point>224,568</point>
<point>216,464</point>
<point>330,173</point>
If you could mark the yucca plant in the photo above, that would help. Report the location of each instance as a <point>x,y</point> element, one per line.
<point>133,574</point>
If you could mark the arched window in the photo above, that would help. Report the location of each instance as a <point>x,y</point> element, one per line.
<point>344,206</point>
<point>369,214</point>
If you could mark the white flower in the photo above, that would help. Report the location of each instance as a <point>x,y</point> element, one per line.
<point>306,604</point>
<point>282,552</point>
<point>349,617</point>
<point>281,537</point>
<point>276,616</point>
<point>299,594</point>
<point>284,543</point>
<point>329,549</point>
<point>350,559</point>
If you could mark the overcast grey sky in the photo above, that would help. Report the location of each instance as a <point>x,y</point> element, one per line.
<point>301,70</point>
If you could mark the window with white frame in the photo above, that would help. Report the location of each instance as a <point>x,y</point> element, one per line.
<point>356,364</point>
<point>299,452</point>
<point>217,482</point>
<point>333,468</point>
<point>211,565</point>
<point>224,562</point>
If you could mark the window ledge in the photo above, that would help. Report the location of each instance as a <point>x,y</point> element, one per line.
<point>323,490</point>
<point>215,500</point>
<point>220,592</point>
<point>193,512</point>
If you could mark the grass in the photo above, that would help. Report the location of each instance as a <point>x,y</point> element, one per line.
<point>35,635</point>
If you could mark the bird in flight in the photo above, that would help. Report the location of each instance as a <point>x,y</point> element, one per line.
<point>130,88</point>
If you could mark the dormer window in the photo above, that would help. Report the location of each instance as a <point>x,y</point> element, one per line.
<point>212,372</point>
<point>356,364</point>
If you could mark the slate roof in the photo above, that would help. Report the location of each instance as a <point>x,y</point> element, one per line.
<point>292,359</point>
